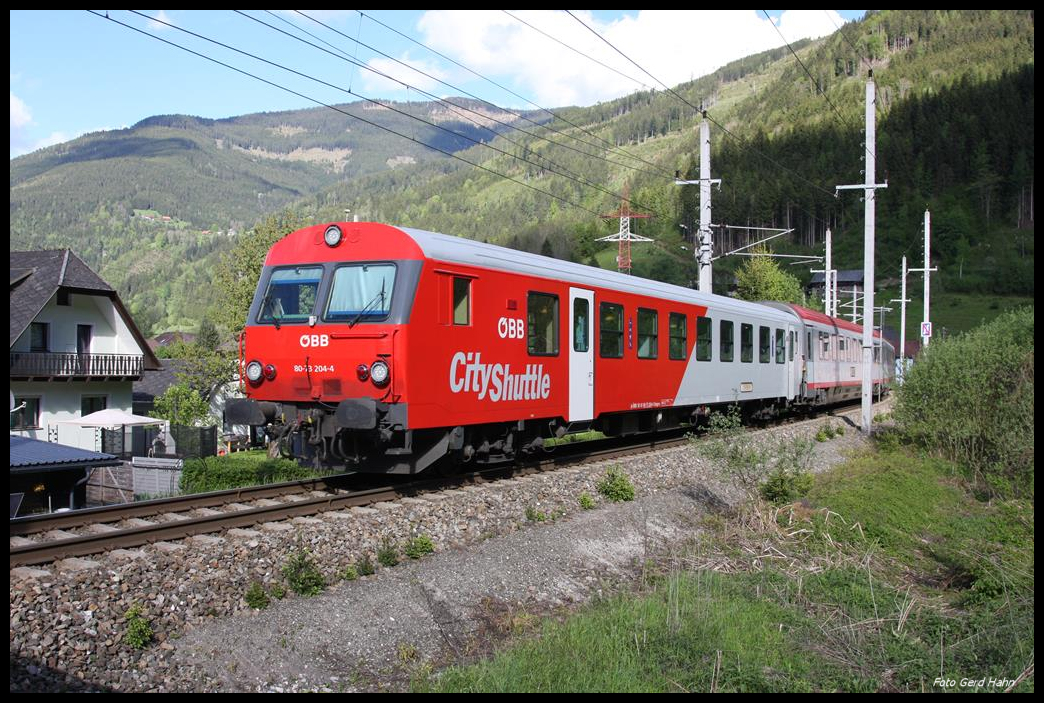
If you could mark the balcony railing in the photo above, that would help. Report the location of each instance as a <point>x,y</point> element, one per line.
<point>71,365</point>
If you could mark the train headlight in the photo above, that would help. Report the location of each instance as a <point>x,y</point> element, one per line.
<point>254,372</point>
<point>379,373</point>
<point>270,372</point>
<point>363,371</point>
<point>332,236</point>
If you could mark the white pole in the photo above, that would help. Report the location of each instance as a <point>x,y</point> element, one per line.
<point>827,277</point>
<point>706,242</point>
<point>868,261</point>
<point>927,269</point>
<point>902,328</point>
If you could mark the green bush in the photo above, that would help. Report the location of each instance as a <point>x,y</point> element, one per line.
<point>586,501</point>
<point>256,597</point>
<point>139,630</point>
<point>785,486</point>
<point>388,554</point>
<point>419,546</point>
<point>971,398</point>
<point>302,575</point>
<point>238,470</point>
<point>616,486</point>
<point>365,566</point>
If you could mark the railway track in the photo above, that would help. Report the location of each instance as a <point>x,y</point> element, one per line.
<point>46,538</point>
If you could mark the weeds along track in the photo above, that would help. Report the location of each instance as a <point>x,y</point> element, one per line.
<point>43,539</point>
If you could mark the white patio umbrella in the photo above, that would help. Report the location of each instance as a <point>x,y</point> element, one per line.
<point>113,418</point>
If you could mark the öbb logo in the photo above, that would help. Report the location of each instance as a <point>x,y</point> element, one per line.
<point>315,340</point>
<point>511,328</point>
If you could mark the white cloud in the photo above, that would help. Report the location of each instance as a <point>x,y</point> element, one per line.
<point>410,74</point>
<point>674,46</point>
<point>20,115</point>
<point>157,21</point>
<point>21,118</point>
<point>54,138</point>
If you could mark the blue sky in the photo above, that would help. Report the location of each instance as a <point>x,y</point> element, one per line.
<point>73,72</point>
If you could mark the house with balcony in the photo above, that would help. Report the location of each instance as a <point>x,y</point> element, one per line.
<point>74,348</point>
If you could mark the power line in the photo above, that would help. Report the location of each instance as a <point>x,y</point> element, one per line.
<point>374,102</point>
<point>845,36</point>
<point>455,108</point>
<point>336,109</point>
<point>837,112</point>
<point>575,50</point>
<point>706,115</point>
<point>612,147</point>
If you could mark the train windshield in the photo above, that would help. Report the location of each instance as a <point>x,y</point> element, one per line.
<point>291,295</point>
<point>360,293</point>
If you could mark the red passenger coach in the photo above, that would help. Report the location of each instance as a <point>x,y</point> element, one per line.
<point>393,349</point>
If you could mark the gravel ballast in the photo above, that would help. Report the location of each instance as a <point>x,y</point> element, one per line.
<point>68,629</point>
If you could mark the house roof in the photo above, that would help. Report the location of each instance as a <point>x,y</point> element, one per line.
<point>154,383</point>
<point>37,275</point>
<point>32,455</point>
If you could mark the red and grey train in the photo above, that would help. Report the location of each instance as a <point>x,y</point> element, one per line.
<point>392,349</point>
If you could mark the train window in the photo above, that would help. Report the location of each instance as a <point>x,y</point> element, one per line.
<point>542,324</point>
<point>764,345</point>
<point>781,348</point>
<point>361,291</point>
<point>704,338</point>
<point>581,325</point>
<point>461,301</point>
<point>791,345</point>
<point>610,335</point>
<point>679,336</point>
<point>746,343</point>
<point>726,345</point>
<point>648,333</point>
<point>291,295</point>
<point>825,339</point>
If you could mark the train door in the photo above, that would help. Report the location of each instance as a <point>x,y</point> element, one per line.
<point>581,355</point>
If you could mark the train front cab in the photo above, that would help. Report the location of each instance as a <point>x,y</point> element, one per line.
<point>324,350</point>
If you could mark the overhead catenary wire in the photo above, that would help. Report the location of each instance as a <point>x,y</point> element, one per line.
<point>405,113</point>
<point>557,115</point>
<point>706,115</point>
<point>801,63</point>
<point>446,101</point>
<point>456,109</point>
<point>336,109</point>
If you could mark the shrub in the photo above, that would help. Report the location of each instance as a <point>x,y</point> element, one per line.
<point>365,566</point>
<point>302,575</point>
<point>534,515</point>
<point>139,630</point>
<point>237,470</point>
<point>586,501</point>
<point>616,486</point>
<point>971,398</point>
<point>786,485</point>
<point>256,597</point>
<point>419,546</point>
<point>388,554</point>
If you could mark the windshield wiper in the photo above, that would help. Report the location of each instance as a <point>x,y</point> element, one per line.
<point>377,298</point>
<point>266,305</point>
